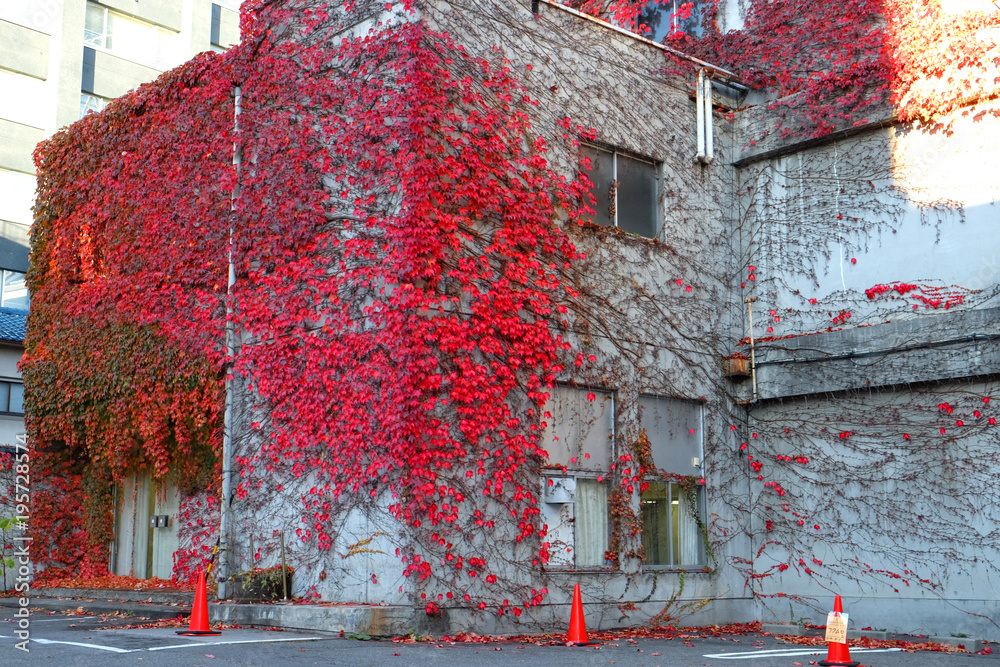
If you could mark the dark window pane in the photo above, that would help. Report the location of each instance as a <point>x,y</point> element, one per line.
<point>89,59</point>
<point>216,23</point>
<point>17,398</point>
<point>637,197</point>
<point>4,396</point>
<point>601,172</point>
<point>656,533</point>
<point>670,531</point>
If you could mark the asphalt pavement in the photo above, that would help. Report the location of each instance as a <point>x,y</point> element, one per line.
<point>58,638</point>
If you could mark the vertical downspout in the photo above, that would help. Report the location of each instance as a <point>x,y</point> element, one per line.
<point>700,112</point>
<point>707,120</point>
<point>114,529</point>
<point>227,420</point>
<point>753,360</point>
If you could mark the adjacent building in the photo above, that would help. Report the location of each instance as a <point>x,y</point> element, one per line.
<point>59,60</point>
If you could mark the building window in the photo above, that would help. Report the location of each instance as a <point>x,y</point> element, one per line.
<point>11,397</point>
<point>97,27</point>
<point>576,483</point>
<point>665,19</point>
<point>625,190</point>
<point>131,39</point>
<point>673,503</point>
<point>14,291</point>
<point>90,103</point>
<point>216,25</point>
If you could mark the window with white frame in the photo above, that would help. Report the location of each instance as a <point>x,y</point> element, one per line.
<point>576,483</point>
<point>130,39</point>
<point>90,103</point>
<point>673,503</point>
<point>625,189</point>
<point>14,291</point>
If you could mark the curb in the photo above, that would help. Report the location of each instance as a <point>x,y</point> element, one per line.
<point>151,596</point>
<point>372,620</point>
<point>91,606</point>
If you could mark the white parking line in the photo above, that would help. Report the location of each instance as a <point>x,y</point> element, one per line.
<point>113,649</point>
<point>192,644</point>
<point>779,653</point>
<point>240,641</point>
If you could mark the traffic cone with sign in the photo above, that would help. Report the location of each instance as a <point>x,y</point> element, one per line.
<point>198,626</point>
<point>838,655</point>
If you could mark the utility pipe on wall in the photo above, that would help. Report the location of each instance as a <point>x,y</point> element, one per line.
<point>703,113</point>
<point>707,119</point>
<point>227,419</point>
<point>699,105</point>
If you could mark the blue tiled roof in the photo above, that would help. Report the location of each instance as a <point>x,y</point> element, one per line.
<point>12,324</point>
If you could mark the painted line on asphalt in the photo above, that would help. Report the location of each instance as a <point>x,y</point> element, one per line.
<point>193,644</point>
<point>235,641</point>
<point>113,649</point>
<point>779,653</point>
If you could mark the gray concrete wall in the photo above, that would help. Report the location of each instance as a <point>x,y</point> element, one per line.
<point>892,206</point>
<point>876,303</point>
<point>904,500</point>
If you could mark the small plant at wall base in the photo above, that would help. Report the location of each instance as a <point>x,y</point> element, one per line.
<point>262,584</point>
<point>7,523</point>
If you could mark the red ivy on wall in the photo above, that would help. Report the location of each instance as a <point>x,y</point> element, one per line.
<point>833,65</point>
<point>400,267</point>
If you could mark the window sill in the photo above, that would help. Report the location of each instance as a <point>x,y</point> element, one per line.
<point>679,569</point>
<point>582,570</point>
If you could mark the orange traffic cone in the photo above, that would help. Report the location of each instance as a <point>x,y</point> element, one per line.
<point>838,655</point>
<point>577,635</point>
<point>199,614</point>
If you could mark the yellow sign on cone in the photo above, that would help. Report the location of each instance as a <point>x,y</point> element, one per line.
<point>838,654</point>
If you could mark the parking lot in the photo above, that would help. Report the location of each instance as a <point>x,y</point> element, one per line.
<point>60,639</point>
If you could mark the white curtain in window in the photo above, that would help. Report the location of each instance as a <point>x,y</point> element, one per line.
<point>591,534</point>
<point>687,531</point>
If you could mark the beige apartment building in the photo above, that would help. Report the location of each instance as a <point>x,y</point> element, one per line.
<point>60,59</point>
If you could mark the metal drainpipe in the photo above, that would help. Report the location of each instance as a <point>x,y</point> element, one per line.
<point>700,114</point>
<point>753,361</point>
<point>707,119</point>
<point>227,420</point>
